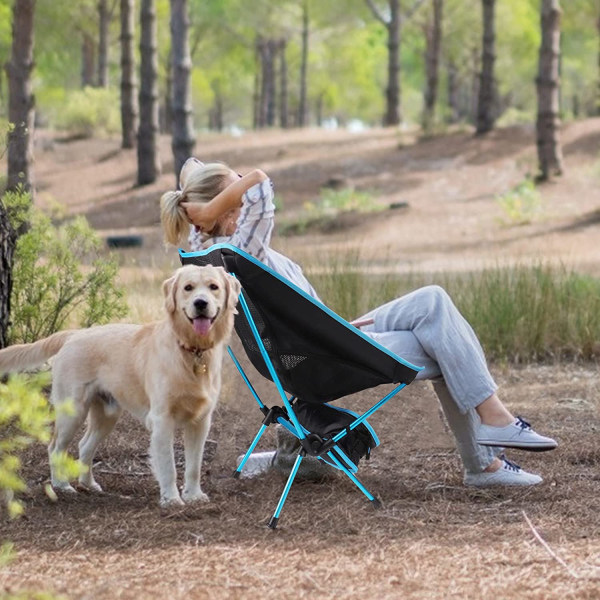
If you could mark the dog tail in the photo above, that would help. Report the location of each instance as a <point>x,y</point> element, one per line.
<point>21,357</point>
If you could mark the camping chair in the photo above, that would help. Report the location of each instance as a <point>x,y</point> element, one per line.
<point>313,355</point>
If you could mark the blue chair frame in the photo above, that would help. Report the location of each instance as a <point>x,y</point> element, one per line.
<point>328,449</point>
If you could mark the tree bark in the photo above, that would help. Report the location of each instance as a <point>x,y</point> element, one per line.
<point>257,85</point>
<point>88,61</point>
<point>547,82</point>
<point>598,85</point>
<point>283,85</point>
<point>485,103</point>
<point>393,90</point>
<point>147,147</point>
<point>452,92</point>
<point>215,115</point>
<point>183,139</point>
<point>21,100</point>
<point>271,81</point>
<point>129,111</point>
<point>266,114</point>
<point>303,105</point>
<point>103,29</point>
<point>8,240</point>
<point>433,36</point>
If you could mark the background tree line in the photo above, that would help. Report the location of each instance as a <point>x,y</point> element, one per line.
<point>176,66</point>
<point>296,62</point>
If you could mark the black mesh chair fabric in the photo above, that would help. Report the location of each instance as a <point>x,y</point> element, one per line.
<point>316,356</point>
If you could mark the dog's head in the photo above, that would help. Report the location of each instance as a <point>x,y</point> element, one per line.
<point>200,302</point>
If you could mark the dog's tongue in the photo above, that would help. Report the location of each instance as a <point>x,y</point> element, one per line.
<point>201,325</point>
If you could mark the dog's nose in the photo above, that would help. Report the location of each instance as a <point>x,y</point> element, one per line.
<point>200,304</point>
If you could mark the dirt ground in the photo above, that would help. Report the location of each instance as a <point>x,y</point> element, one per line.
<point>433,537</point>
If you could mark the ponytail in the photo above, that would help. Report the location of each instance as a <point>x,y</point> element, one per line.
<point>199,183</point>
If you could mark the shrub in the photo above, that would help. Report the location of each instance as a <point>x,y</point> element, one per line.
<point>58,274</point>
<point>522,204</point>
<point>25,418</point>
<point>89,112</point>
<point>330,206</point>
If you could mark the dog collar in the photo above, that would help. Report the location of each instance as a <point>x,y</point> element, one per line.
<point>198,353</point>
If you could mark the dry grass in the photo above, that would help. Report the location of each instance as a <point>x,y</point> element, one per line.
<point>433,538</point>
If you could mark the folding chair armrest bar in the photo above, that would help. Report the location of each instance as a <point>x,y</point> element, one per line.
<point>269,364</point>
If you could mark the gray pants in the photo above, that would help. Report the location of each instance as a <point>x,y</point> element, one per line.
<point>426,329</point>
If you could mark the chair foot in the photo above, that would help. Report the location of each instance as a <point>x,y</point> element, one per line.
<point>236,474</point>
<point>375,503</point>
<point>273,523</point>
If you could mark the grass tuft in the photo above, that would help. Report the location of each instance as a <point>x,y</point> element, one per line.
<point>520,313</point>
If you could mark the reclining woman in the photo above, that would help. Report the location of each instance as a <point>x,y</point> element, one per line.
<point>424,327</point>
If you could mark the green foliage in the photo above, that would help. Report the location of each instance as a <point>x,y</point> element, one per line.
<point>522,204</point>
<point>347,56</point>
<point>330,206</point>
<point>89,112</point>
<point>58,273</point>
<point>25,418</point>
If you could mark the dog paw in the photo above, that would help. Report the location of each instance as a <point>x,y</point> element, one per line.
<point>91,486</point>
<point>64,488</point>
<point>194,496</point>
<point>171,501</point>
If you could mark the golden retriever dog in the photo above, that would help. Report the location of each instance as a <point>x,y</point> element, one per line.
<point>168,374</point>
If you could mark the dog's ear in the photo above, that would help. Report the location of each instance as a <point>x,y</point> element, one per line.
<point>233,290</point>
<point>169,289</point>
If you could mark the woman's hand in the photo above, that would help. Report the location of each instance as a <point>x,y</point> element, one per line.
<point>198,214</point>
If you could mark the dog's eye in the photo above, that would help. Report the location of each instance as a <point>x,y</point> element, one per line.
<point>189,287</point>
<point>214,286</point>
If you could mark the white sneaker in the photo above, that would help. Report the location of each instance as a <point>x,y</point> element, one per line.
<point>257,464</point>
<point>509,474</point>
<point>516,435</point>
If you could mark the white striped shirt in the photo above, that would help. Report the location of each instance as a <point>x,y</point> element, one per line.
<point>253,235</point>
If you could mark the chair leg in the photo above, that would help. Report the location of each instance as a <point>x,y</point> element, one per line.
<point>286,490</point>
<point>374,501</point>
<point>237,472</point>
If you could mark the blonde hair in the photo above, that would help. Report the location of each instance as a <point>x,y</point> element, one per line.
<point>199,182</point>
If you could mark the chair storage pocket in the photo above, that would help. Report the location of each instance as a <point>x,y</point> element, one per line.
<point>328,421</point>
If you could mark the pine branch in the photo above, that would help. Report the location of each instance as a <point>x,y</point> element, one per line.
<point>376,12</point>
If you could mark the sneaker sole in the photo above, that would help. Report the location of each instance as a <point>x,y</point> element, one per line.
<point>533,447</point>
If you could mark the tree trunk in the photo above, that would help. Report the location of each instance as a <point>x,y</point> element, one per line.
<point>452,92</point>
<point>283,85</point>
<point>266,113</point>
<point>271,81</point>
<point>129,112</point>
<point>104,26</point>
<point>21,101</point>
<point>433,36</point>
<point>475,84</point>
<point>257,85</point>
<point>8,239</point>
<point>88,61</point>
<point>147,148</point>
<point>393,114</point>
<point>485,104</point>
<point>547,125</point>
<point>183,139</point>
<point>598,86</point>
<point>302,106</point>
<point>215,115</point>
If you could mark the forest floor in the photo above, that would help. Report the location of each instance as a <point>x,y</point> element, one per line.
<point>433,537</point>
